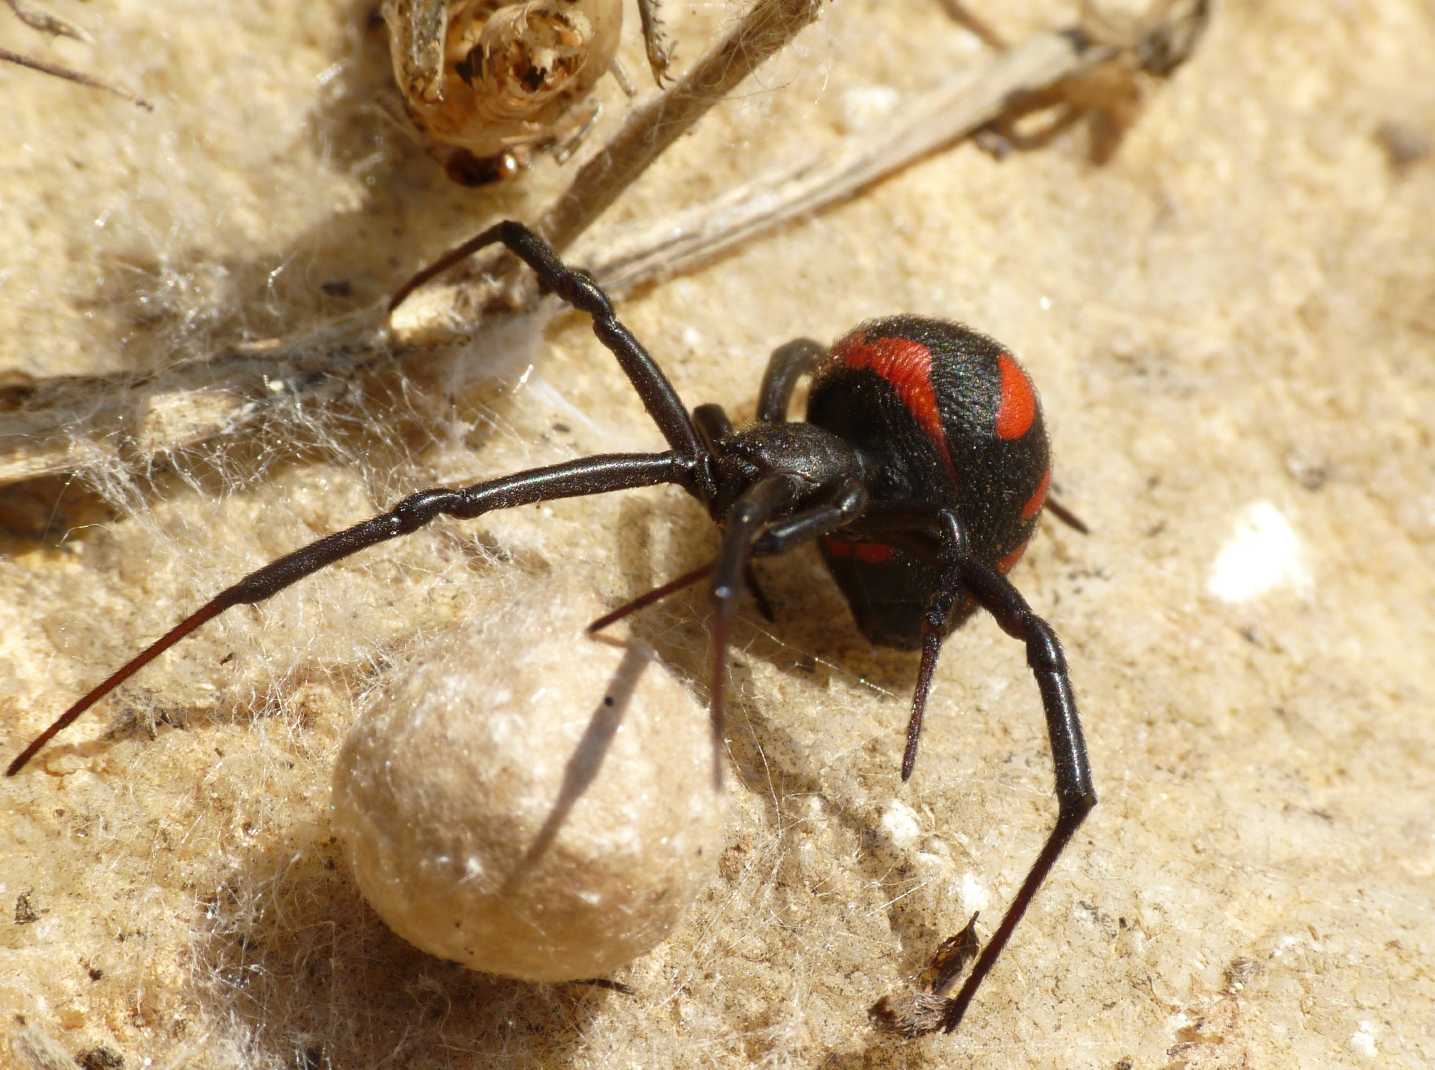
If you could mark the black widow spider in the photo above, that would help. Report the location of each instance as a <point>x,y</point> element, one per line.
<point>921,471</point>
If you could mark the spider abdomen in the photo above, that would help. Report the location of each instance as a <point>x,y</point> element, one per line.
<point>948,419</point>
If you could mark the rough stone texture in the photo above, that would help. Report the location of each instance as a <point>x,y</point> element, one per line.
<point>1231,324</point>
<point>502,812</point>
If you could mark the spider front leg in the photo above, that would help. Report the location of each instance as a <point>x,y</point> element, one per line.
<point>933,534</point>
<point>770,496</point>
<point>590,475</point>
<point>744,538</point>
<point>964,575</point>
<point>1075,793</point>
<point>847,504</point>
<point>582,292</point>
<point>789,363</point>
<point>713,424</point>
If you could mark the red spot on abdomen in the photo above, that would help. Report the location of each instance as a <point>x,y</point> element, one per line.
<point>1038,497</point>
<point>873,553</point>
<point>869,553</point>
<point>1007,563</point>
<point>907,366</point>
<point>1017,410</point>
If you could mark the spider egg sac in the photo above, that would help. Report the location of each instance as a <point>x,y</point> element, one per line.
<point>532,803</point>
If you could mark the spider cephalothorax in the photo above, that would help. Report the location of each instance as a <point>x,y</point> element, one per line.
<point>921,471</point>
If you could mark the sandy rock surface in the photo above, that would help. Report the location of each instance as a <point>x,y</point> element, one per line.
<point>1232,325</point>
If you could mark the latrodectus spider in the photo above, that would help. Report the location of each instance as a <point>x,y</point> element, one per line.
<point>921,471</point>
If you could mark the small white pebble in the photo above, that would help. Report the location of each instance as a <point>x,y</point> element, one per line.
<point>900,824</point>
<point>1262,552</point>
<point>864,106</point>
<point>1284,944</point>
<point>1362,1041</point>
<point>974,894</point>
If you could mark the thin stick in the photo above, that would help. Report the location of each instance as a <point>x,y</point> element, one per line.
<point>45,22</point>
<point>940,118</point>
<point>936,120</point>
<point>70,75</point>
<point>644,136</point>
<point>650,129</point>
<point>221,393</point>
<point>973,24</point>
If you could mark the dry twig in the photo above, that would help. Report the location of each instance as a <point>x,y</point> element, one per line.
<point>55,26</point>
<point>139,419</point>
<point>45,22</point>
<point>69,74</point>
<point>646,133</point>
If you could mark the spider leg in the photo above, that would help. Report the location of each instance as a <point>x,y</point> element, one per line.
<point>766,498</point>
<point>759,596</point>
<point>712,423</point>
<point>789,362</point>
<point>847,504</point>
<point>851,498</point>
<point>564,149</point>
<point>950,546</point>
<point>647,598</point>
<point>588,475</point>
<point>922,531</point>
<point>1074,790</point>
<point>991,590</point>
<point>1066,516</point>
<point>579,289</point>
<point>939,534</point>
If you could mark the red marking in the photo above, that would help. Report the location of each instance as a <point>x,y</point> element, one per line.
<point>1007,563</point>
<point>1038,497</point>
<point>869,553</point>
<point>1017,411</point>
<point>873,553</point>
<point>907,366</point>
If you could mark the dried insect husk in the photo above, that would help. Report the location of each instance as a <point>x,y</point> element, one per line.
<point>922,1007</point>
<point>488,76</point>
